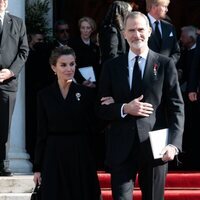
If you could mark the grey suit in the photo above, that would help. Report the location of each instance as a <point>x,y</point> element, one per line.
<point>128,147</point>
<point>13,54</point>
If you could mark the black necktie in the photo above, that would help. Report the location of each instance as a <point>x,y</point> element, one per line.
<point>157,33</point>
<point>137,79</point>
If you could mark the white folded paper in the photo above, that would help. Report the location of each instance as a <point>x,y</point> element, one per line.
<point>158,140</point>
<point>88,73</point>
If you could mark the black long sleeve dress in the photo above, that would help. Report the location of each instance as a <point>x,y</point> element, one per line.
<point>63,154</point>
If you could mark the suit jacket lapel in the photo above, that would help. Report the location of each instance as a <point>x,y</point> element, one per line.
<point>7,23</point>
<point>151,68</point>
<point>125,73</point>
<point>153,36</point>
<point>165,34</point>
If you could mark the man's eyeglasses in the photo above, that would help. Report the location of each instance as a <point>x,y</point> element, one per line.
<point>63,30</point>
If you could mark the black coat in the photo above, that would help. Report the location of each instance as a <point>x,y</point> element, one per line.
<point>161,90</point>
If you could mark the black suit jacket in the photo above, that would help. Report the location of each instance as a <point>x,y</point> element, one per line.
<point>194,76</point>
<point>13,49</point>
<point>170,46</point>
<point>161,89</point>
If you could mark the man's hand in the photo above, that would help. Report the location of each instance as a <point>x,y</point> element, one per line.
<point>5,74</point>
<point>138,108</point>
<point>168,153</point>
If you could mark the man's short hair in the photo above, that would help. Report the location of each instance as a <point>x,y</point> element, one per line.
<point>136,14</point>
<point>191,31</point>
<point>59,22</point>
<point>150,3</point>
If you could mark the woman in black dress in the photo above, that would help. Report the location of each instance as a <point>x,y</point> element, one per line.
<point>63,162</point>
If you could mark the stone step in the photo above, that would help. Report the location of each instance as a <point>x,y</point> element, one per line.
<point>15,196</point>
<point>16,184</point>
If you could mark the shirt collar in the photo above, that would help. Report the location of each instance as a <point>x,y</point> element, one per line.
<point>193,46</point>
<point>2,16</point>
<point>152,19</point>
<point>132,55</point>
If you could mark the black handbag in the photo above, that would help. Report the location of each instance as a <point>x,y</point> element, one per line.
<point>36,194</point>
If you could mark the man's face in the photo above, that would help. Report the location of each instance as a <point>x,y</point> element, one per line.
<point>136,33</point>
<point>3,5</point>
<point>62,33</point>
<point>161,10</point>
<point>37,38</point>
<point>186,40</point>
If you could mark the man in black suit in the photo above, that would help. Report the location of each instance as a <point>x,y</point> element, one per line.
<point>13,54</point>
<point>62,33</point>
<point>135,112</point>
<point>163,40</point>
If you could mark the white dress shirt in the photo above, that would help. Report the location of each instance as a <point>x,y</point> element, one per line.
<point>152,22</point>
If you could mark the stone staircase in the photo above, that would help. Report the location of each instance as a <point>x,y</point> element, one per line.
<point>179,186</point>
<point>17,187</point>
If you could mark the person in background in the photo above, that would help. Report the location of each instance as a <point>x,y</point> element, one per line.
<point>34,38</point>
<point>163,38</point>
<point>142,84</point>
<point>38,74</point>
<point>14,52</point>
<point>111,39</point>
<point>194,77</point>
<point>87,52</point>
<point>63,164</point>
<point>62,33</point>
<point>188,39</point>
<point>193,95</point>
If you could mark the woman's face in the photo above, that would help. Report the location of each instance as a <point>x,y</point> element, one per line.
<point>65,67</point>
<point>85,30</point>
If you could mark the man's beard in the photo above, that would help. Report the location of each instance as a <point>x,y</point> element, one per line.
<point>138,44</point>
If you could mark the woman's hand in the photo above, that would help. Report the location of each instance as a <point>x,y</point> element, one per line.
<point>107,100</point>
<point>37,178</point>
<point>192,96</point>
<point>89,83</point>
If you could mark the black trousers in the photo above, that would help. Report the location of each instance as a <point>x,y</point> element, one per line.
<point>151,175</point>
<point>7,102</point>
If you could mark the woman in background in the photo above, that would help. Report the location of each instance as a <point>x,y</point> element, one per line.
<point>87,52</point>
<point>111,40</point>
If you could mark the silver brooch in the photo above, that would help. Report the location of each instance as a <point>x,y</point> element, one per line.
<point>78,95</point>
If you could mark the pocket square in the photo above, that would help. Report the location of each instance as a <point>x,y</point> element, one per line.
<point>171,34</point>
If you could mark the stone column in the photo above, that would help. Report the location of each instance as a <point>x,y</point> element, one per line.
<point>17,157</point>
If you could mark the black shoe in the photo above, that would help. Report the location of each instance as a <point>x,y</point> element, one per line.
<point>6,172</point>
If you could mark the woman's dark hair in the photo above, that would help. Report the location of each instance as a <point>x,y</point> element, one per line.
<point>60,51</point>
<point>116,14</point>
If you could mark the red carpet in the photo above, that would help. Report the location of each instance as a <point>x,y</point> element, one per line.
<point>179,186</point>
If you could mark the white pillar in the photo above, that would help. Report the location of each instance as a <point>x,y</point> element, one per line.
<point>17,157</point>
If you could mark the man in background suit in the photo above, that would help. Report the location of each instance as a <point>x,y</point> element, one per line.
<point>164,41</point>
<point>136,112</point>
<point>13,54</point>
<point>62,33</point>
<point>194,76</point>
